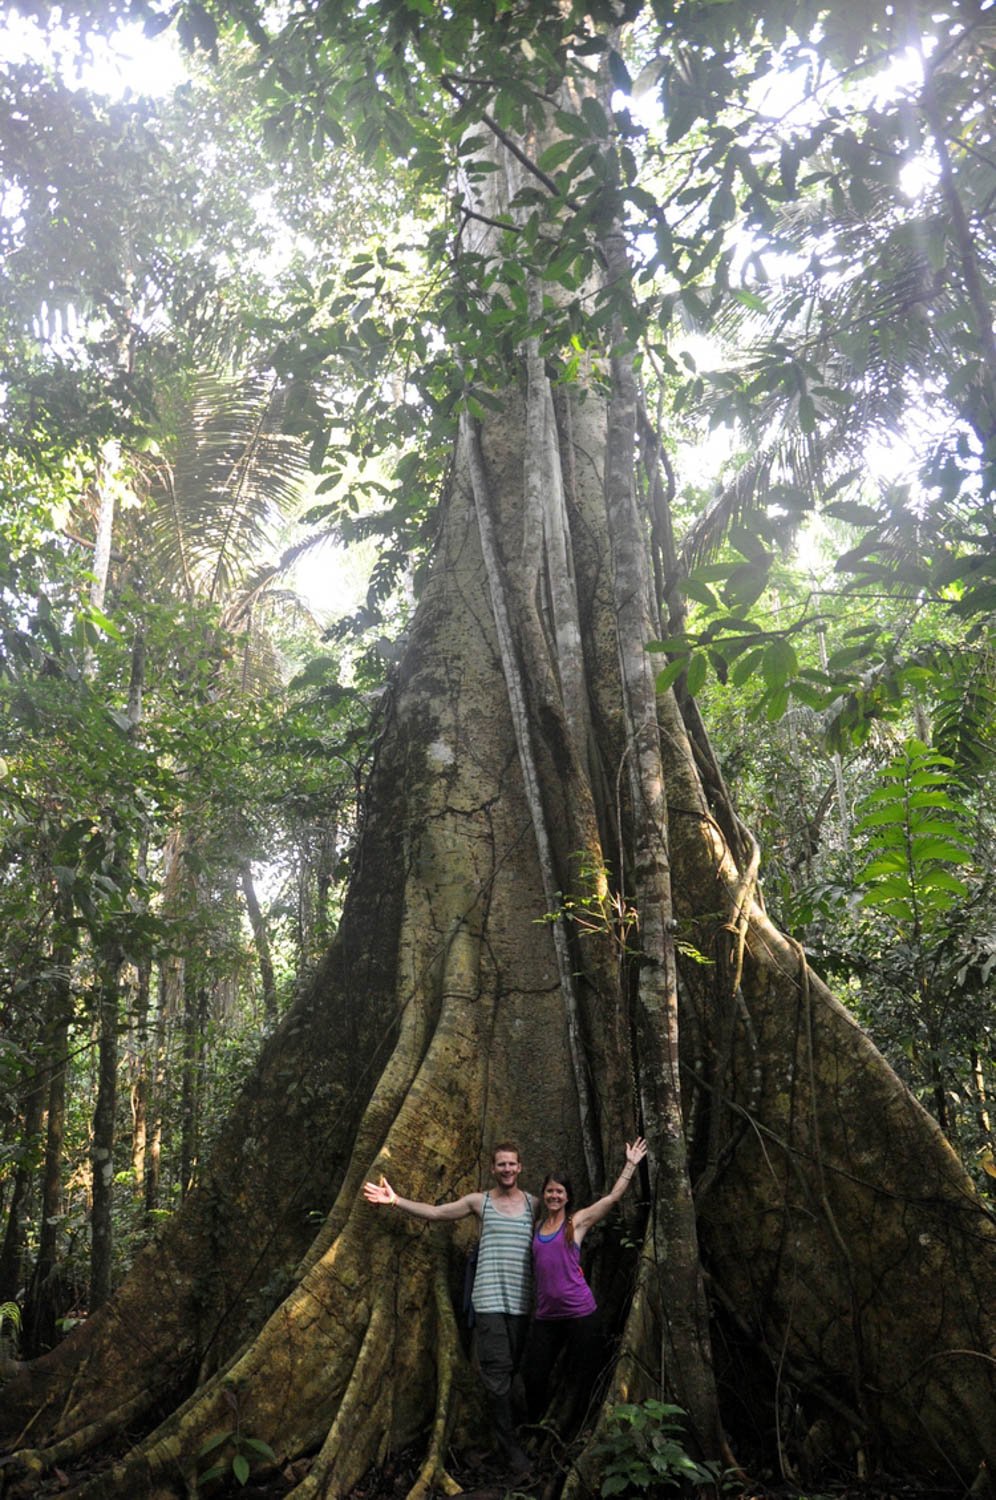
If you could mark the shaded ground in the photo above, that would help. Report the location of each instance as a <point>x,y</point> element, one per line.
<point>482,1479</point>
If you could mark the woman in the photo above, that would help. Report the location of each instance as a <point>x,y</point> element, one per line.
<point>566,1313</point>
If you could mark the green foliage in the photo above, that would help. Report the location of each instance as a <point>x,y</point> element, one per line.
<point>915,835</point>
<point>643,1452</point>
<point>595,907</point>
<point>10,1313</point>
<point>244,1451</point>
<point>893,901</point>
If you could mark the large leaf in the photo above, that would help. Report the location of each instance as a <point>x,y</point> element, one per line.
<point>229,474</point>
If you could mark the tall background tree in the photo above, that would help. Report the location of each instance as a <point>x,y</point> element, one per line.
<point>805,1223</point>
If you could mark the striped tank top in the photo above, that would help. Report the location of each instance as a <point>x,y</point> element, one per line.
<point>504,1279</point>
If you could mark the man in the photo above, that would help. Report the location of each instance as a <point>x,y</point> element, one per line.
<point>503,1281</point>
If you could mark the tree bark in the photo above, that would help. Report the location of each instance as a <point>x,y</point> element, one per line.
<point>12,1250</point>
<point>158,1088</point>
<point>102,1144</point>
<point>42,1304</point>
<point>140,1078</point>
<point>194,1012</point>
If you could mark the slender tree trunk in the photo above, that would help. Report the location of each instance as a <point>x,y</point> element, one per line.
<point>140,1078</point>
<point>105,494</point>
<point>14,1247</point>
<point>194,1007</point>
<point>305,923</point>
<point>325,873</point>
<point>103,1140</point>
<point>42,1310</point>
<point>111,961</point>
<point>981,1097</point>
<point>158,1089</point>
<point>262,941</point>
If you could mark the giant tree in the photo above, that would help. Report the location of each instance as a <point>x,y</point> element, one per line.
<point>553,925</point>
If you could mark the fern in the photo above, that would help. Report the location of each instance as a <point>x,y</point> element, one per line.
<point>915,835</point>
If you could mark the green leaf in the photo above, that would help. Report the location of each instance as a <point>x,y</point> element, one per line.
<point>213,1443</point>
<point>780,662</point>
<point>807,412</point>
<point>854,513</point>
<point>693,588</point>
<point>886,864</point>
<point>943,829</point>
<point>107,626</point>
<point>258,1446</point>
<point>890,886</point>
<point>595,117</point>
<point>746,666</point>
<point>723,207</point>
<point>812,697</point>
<point>891,816</point>
<point>750,300</point>
<point>670,674</point>
<point>776,705</point>
<point>746,584</point>
<point>936,799</point>
<point>934,848</point>
<point>697,670</point>
<point>554,156</point>
<point>943,880</point>
<point>932,778</point>
<point>241,1468</point>
<point>680,642</point>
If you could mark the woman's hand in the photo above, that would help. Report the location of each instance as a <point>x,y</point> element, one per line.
<point>380,1192</point>
<point>634,1153</point>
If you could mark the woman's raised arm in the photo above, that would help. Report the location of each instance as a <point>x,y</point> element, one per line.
<point>586,1217</point>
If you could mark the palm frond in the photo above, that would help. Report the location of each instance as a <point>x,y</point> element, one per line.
<point>230,474</point>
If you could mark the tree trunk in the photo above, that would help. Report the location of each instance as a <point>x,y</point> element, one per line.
<point>43,1302</point>
<point>140,1070</point>
<point>193,1009</point>
<point>526,779</point>
<point>105,491</point>
<point>262,941</point>
<point>102,1146</point>
<point>13,1248</point>
<point>158,1075</point>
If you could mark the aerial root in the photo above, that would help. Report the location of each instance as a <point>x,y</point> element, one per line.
<point>352,1444</point>
<point>432,1476</point>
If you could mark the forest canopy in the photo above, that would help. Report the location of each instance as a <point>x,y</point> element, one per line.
<point>496,624</point>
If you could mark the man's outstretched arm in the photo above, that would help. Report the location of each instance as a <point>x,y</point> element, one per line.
<point>383,1194</point>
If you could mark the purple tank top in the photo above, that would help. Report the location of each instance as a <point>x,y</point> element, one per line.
<point>561,1290</point>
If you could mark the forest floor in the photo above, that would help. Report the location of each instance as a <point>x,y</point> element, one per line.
<point>480,1478</point>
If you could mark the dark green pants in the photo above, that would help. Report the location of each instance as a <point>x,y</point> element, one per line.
<point>499,1343</point>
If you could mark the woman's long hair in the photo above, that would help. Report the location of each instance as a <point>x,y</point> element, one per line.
<point>565,1183</point>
